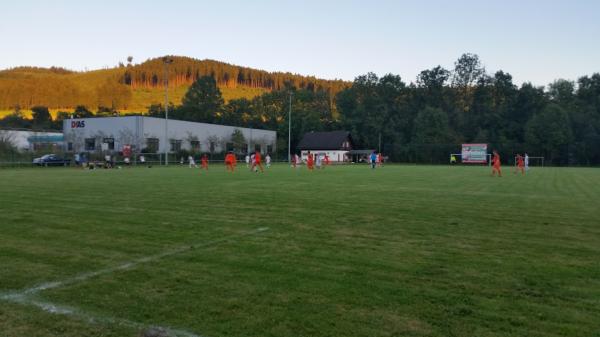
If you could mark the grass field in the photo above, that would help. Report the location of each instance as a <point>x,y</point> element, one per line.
<point>347,251</point>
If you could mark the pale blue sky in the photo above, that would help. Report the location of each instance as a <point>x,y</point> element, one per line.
<point>536,41</point>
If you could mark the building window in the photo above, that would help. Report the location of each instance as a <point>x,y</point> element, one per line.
<point>151,145</point>
<point>110,142</point>
<point>195,144</point>
<point>212,147</point>
<point>69,146</point>
<point>175,145</point>
<point>269,148</point>
<point>229,147</point>
<point>90,144</point>
<point>257,147</point>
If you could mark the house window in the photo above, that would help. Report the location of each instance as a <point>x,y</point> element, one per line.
<point>110,142</point>
<point>269,148</point>
<point>257,147</point>
<point>152,145</point>
<point>229,147</point>
<point>175,145</point>
<point>195,144</point>
<point>90,144</point>
<point>69,146</point>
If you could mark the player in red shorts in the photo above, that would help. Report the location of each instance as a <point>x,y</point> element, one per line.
<point>310,161</point>
<point>520,164</point>
<point>496,164</point>
<point>204,162</point>
<point>230,162</point>
<point>257,162</point>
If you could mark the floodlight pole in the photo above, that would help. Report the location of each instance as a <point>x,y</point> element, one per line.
<point>167,61</point>
<point>290,131</point>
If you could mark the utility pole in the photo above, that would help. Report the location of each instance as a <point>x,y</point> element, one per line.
<point>167,60</point>
<point>290,131</point>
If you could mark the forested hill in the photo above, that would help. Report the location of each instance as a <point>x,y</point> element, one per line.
<point>134,87</point>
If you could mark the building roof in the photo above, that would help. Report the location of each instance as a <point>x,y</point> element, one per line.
<point>329,140</point>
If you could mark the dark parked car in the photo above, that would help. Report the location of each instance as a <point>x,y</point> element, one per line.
<point>51,160</point>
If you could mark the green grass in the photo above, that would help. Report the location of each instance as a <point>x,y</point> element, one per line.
<point>399,251</point>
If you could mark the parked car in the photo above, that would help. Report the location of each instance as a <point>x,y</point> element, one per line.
<point>51,160</point>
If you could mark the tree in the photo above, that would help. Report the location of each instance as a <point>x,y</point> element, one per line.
<point>467,71</point>
<point>562,92</point>
<point>81,111</point>
<point>41,117</point>
<point>203,101</point>
<point>237,112</point>
<point>7,142</point>
<point>431,127</point>
<point>549,131</point>
<point>239,141</point>
<point>431,135</point>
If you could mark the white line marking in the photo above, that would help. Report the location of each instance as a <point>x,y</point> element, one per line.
<point>132,264</point>
<point>25,296</point>
<point>92,319</point>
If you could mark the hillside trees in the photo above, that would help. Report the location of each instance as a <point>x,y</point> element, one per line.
<point>202,102</point>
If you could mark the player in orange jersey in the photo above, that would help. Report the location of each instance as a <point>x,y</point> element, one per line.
<point>496,164</point>
<point>257,162</point>
<point>520,164</point>
<point>310,161</point>
<point>204,162</point>
<point>230,161</point>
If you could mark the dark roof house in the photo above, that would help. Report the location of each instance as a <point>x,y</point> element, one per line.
<point>327,140</point>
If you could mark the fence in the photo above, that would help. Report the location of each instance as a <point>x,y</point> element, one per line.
<point>577,154</point>
<point>25,159</point>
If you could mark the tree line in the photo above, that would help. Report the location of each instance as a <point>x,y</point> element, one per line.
<point>59,88</point>
<point>426,120</point>
<point>186,70</point>
<point>423,121</point>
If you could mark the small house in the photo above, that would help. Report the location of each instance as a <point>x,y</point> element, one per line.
<point>334,144</point>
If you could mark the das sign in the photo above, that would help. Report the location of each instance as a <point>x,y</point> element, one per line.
<point>77,124</point>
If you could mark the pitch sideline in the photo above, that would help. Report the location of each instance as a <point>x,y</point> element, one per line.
<point>26,296</point>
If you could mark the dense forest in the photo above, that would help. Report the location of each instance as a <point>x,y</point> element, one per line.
<point>134,87</point>
<point>423,121</point>
<point>186,70</point>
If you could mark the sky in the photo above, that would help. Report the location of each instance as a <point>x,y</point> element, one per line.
<point>534,41</point>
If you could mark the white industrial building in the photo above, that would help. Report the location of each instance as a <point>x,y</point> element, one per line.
<point>147,134</point>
